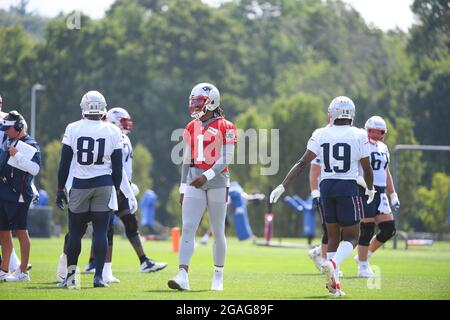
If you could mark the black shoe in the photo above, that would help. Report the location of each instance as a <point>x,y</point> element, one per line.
<point>90,267</point>
<point>98,283</point>
<point>152,266</point>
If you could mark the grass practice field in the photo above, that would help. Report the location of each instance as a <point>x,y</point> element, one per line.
<point>252,272</point>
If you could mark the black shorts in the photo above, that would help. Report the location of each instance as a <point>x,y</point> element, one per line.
<point>341,202</point>
<point>321,212</point>
<point>13,215</point>
<point>373,209</point>
<point>123,205</point>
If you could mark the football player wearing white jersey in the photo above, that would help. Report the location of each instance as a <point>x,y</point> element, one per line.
<point>378,212</point>
<point>121,118</point>
<point>96,147</point>
<point>340,147</point>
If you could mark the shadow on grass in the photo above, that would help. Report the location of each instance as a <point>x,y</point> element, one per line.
<point>306,274</point>
<point>176,291</point>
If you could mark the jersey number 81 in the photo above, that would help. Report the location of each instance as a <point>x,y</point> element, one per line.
<point>85,150</point>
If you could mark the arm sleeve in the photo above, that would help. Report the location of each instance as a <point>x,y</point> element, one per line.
<point>117,166</point>
<point>64,165</point>
<point>225,159</point>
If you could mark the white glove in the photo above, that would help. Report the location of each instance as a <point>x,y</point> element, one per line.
<point>315,194</point>
<point>371,194</point>
<point>276,193</point>
<point>135,189</point>
<point>133,204</point>
<point>360,180</point>
<point>395,203</point>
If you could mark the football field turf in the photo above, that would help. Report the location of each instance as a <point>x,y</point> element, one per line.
<point>251,272</point>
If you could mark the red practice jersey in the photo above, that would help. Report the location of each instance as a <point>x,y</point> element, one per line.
<point>207,142</point>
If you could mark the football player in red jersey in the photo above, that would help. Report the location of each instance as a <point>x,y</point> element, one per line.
<point>209,148</point>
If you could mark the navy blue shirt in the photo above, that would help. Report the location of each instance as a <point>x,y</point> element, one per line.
<point>13,181</point>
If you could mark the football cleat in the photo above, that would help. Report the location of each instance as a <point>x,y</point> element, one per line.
<point>90,268</point>
<point>180,282</point>
<point>7,277</point>
<point>23,276</point>
<point>99,283</point>
<point>332,277</point>
<point>204,240</point>
<point>217,281</point>
<point>316,258</point>
<point>365,272</point>
<point>152,266</point>
<point>338,292</point>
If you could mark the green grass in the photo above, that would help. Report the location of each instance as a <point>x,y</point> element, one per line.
<point>252,272</point>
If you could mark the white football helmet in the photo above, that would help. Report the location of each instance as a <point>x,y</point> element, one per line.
<point>341,108</point>
<point>204,97</point>
<point>121,118</point>
<point>93,103</point>
<point>376,128</point>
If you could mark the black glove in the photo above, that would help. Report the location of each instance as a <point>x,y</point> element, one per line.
<point>61,198</point>
<point>316,203</point>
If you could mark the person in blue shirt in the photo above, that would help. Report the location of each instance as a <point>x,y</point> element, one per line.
<point>16,193</point>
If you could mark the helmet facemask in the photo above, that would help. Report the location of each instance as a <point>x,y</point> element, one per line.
<point>198,106</point>
<point>375,134</point>
<point>126,125</point>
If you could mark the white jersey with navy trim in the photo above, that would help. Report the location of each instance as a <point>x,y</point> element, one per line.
<point>127,156</point>
<point>379,160</point>
<point>93,143</point>
<point>339,148</point>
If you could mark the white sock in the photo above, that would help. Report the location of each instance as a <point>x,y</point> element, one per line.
<point>107,271</point>
<point>182,272</point>
<point>14,261</point>
<point>62,265</point>
<point>369,254</point>
<point>343,251</point>
<point>330,255</point>
<point>218,270</point>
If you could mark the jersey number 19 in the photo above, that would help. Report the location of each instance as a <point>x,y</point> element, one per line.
<point>340,152</point>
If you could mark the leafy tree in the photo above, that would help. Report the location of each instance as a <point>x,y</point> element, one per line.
<point>142,165</point>
<point>48,178</point>
<point>433,204</point>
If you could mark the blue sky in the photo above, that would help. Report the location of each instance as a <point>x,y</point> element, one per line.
<point>384,14</point>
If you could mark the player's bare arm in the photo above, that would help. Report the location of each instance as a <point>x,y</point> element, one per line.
<point>298,167</point>
<point>368,173</point>
<point>314,174</point>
